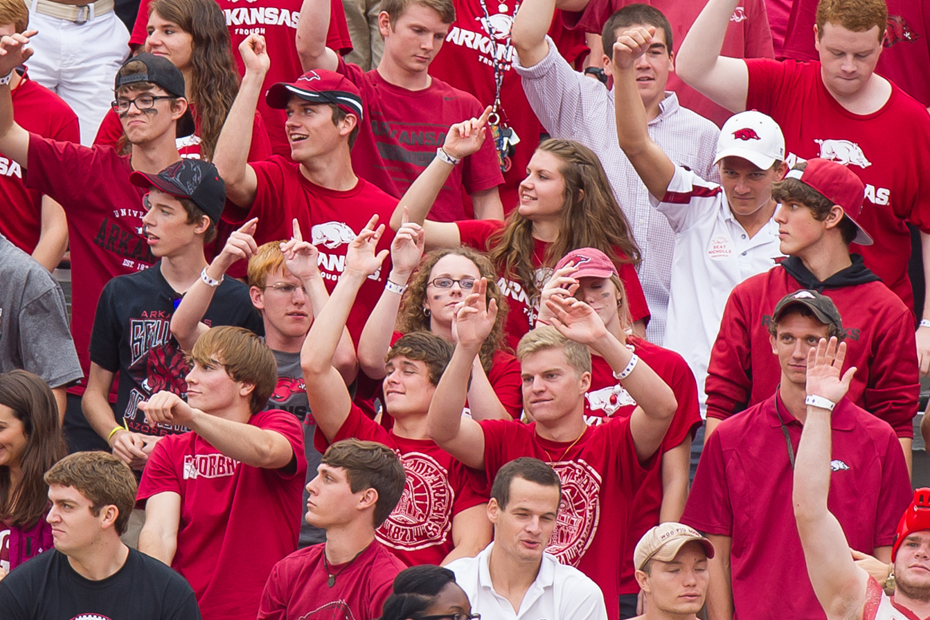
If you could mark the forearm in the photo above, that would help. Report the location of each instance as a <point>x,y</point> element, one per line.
<point>676,468</point>
<point>232,148</point>
<point>701,47</point>
<point>312,27</point>
<point>375,340</point>
<point>487,205</point>
<point>649,391</point>
<point>812,469</point>
<point>53,238</point>
<point>316,356</point>
<point>530,26</point>
<point>422,193</point>
<point>14,140</point>
<point>159,545</point>
<point>97,410</point>
<point>61,399</point>
<point>243,442</point>
<point>482,399</point>
<point>719,588</point>
<point>444,420</point>
<point>907,444</point>
<point>185,323</point>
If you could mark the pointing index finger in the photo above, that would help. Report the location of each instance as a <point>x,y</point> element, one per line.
<point>296,228</point>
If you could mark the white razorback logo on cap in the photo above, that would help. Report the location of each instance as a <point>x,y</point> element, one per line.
<point>313,76</point>
<point>803,295</point>
<point>332,234</point>
<point>843,152</point>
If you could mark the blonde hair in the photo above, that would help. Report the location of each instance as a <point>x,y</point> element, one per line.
<point>244,357</point>
<point>268,259</point>
<point>545,338</point>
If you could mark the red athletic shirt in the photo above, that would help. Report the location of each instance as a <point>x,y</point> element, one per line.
<point>897,188</point>
<point>748,36</point>
<point>438,487</point>
<point>600,476</point>
<point>523,311</point>
<point>104,223</point>
<point>330,219</point>
<point>225,546</point>
<point>743,490</point>
<point>298,586</point>
<point>276,20</point>
<point>401,131</point>
<point>880,343</point>
<point>37,110</point>
<point>610,400</point>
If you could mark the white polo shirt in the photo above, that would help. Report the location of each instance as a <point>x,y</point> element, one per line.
<point>713,253</point>
<point>559,593</point>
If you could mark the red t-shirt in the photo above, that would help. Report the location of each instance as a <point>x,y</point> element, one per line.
<point>600,476</point>
<point>743,490</point>
<point>897,188</point>
<point>276,20</point>
<point>778,13</point>
<point>401,131</point>
<point>523,311</point>
<point>37,110</point>
<point>331,218</point>
<point>609,400</point>
<point>748,36</point>
<point>298,586</point>
<point>104,222</point>
<point>111,130</point>
<point>438,487</point>
<point>226,545</point>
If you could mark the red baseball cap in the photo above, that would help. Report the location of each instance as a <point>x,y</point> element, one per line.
<point>318,86</point>
<point>914,519</point>
<point>591,263</point>
<point>839,185</point>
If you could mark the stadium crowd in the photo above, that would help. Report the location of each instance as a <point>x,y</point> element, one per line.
<point>450,309</point>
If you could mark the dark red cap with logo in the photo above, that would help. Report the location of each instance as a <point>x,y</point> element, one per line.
<point>318,86</point>
<point>839,185</point>
<point>589,262</point>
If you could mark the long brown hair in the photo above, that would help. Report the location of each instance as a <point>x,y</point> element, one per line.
<point>590,218</point>
<point>214,80</point>
<point>412,318</point>
<point>34,406</point>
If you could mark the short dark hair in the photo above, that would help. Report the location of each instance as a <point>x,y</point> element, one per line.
<point>526,468</point>
<point>339,115</point>
<point>797,191</point>
<point>632,15</point>
<point>101,478</point>
<point>194,216</point>
<point>426,347</point>
<point>370,465</point>
<point>415,589</point>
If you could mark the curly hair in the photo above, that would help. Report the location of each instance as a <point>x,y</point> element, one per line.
<point>590,218</point>
<point>412,319</point>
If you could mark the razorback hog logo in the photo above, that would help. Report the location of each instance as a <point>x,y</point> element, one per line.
<point>287,386</point>
<point>498,26</point>
<point>739,15</point>
<point>746,134</point>
<point>332,234</point>
<point>843,152</point>
<point>163,368</point>
<point>898,30</point>
<point>309,76</point>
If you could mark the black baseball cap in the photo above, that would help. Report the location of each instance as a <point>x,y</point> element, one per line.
<point>195,179</point>
<point>821,305</point>
<point>162,73</point>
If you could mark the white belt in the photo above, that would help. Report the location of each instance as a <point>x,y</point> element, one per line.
<point>72,13</point>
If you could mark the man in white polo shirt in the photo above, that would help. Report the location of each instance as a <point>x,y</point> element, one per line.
<point>723,233</point>
<point>527,583</point>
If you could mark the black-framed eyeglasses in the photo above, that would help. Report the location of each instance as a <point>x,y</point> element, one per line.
<point>465,284</point>
<point>145,102</point>
<point>284,288</point>
<point>455,616</point>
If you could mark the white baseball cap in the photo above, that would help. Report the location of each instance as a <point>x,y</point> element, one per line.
<point>752,136</point>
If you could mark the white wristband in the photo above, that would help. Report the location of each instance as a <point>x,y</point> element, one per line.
<point>924,323</point>
<point>452,161</point>
<point>623,374</point>
<point>820,401</point>
<point>393,287</point>
<point>7,79</point>
<point>210,281</point>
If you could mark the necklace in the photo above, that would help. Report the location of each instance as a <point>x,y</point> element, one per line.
<point>577,439</point>
<point>331,580</point>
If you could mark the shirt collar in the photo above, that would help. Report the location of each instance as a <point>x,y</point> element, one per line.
<point>544,579</point>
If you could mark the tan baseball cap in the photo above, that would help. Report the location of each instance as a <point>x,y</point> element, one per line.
<point>664,541</point>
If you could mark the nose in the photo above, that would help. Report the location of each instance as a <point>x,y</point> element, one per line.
<point>532,526</point>
<point>848,66</point>
<point>147,219</point>
<point>641,62</point>
<point>800,350</point>
<point>689,577</point>
<point>780,214</point>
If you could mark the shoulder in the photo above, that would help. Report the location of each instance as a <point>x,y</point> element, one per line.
<point>273,418</point>
<point>374,194</point>
<point>569,577</point>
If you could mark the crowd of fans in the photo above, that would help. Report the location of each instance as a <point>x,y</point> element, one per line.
<point>418,309</point>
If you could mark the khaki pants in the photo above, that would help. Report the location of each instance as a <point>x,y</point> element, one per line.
<point>136,521</point>
<point>367,44</point>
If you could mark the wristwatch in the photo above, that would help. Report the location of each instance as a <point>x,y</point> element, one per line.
<point>598,73</point>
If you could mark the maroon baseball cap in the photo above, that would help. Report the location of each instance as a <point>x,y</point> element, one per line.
<point>839,185</point>
<point>590,262</point>
<point>318,86</point>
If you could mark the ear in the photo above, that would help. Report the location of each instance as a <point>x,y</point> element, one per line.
<point>643,580</point>
<point>180,107</point>
<point>384,24</point>
<point>773,341</point>
<point>368,499</point>
<point>494,511</point>
<point>816,38</point>
<point>203,225</point>
<point>833,219</point>
<point>109,515</point>
<point>245,389</point>
<point>348,124</point>
<point>781,171</point>
<point>671,62</point>
<point>584,381</point>
<point>258,297</point>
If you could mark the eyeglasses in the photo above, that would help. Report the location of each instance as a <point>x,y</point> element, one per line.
<point>457,616</point>
<point>284,288</point>
<point>145,102</point>
<point>465,284</point>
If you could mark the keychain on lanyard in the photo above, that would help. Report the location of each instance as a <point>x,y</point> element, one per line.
<point>505,138</point>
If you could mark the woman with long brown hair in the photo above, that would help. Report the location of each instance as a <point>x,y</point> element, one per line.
<point>31,442</point>
<point>192,34</point>
<point>565,203</point>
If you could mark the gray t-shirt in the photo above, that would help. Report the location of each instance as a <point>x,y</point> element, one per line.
<point>290,394</point>
<point>34,332</point>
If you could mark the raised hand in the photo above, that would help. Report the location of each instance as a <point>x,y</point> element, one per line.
<point>824,364</point>
<point>167,408</point>
<point>632,44</point>
<point>13,51</point>
<point>467,137</point>
<point>474,318</point>
<point>300,257</point>
<point>576,320</point>
<point>240,246</point>
<point>361,257</point>
<point>560,284</point>
<point>254,54</point>
<point>407,247</point>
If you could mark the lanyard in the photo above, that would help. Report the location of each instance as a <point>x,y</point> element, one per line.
<point>502,135</point>
<point>784,430</point>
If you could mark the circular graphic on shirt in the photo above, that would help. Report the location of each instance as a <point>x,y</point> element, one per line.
<point>579,511</point>
<point>334,610</point>
<point>422,517</point>
<point>91,617</point>
<point>719,248</point>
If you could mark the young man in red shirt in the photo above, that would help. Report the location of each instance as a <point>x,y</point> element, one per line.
<point>317,185</point>
<point>442,515</point>
<point>104,209</point>
<point>351,574</point>
<point>741,496</point>
<point>841,110</point>
<point>817,221</point>
<point>602,467</point>
<point>407,111</point>
<point>200,490</point>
